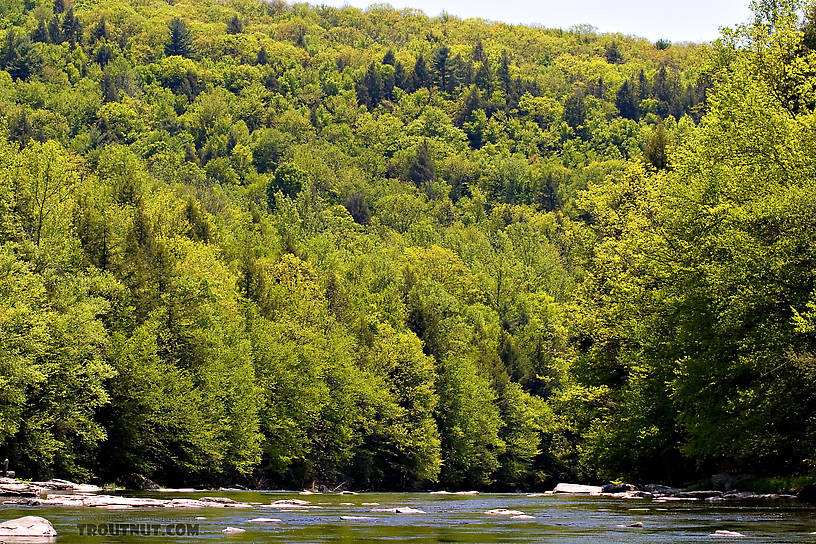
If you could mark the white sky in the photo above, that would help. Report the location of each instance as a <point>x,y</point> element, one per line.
<point>676,20</point>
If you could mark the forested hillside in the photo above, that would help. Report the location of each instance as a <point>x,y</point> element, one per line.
<point>272,244</point>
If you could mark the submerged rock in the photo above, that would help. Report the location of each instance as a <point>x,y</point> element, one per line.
<point>28,526</point>
<point>400,510</point>
<point>728,534</point>
<point>295,502</point>
<point>698,494</point>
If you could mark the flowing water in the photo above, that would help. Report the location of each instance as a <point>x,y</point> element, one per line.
<point>447,519</point>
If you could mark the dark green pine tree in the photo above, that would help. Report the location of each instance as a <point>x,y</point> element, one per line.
<point>484,76</point>
<point>598,89</point>
<point>370,88</point>
<point>100,31</point>
<point>55,30</point>
<point>471,103</point>
<point>21,129</point>
<point>235,26</point>
<point>18,56</point>
<point>626,101</point>
<point>420,76</point>
<point>389,82</point>
<point>547,195</point>
<point>441,66</point>
<point>104,55</point>
<point>422,169</point>
<point>479,52</point>
<point>504,73</point>
<point>59,6</point>
<point>612,53</point>
<point>389,58</point>
<point>644,89</point>
<point>400,78</point>
<point>40,34</point>
<point>575,110</point>
<point>263,57</point>
<point>71,28</point>
<point>358,208</point>
<point>463,70</point>
<point>180,42</point>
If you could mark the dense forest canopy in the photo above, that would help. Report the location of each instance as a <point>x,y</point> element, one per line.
<point>275,244</point>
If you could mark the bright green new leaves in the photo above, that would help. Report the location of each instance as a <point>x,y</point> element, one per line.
<point>699,280</point>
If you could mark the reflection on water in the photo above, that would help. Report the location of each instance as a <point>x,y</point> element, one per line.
<point>446,519</point>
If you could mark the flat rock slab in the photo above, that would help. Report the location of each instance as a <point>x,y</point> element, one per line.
<point>264,520</point>
<point>220,500</point>
<point>13,486</point>
<point>116,502</point>
<point>286,506</point>
<point>698,494</point>
<point>504,512</point>
<point>29,527</point>
<point>727,534</point>
<point>578,489</point>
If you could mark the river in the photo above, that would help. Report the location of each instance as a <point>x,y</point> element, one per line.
<point>447,519</point>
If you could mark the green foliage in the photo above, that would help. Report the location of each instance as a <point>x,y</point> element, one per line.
<point>290,251</point>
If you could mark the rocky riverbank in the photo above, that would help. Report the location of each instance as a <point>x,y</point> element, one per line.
<point>660,493</point>
<point>12,487</point>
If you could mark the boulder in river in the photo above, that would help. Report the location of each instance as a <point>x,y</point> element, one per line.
<point>662,490</point>
<point>807,493</point>
<point>230,530</point>
<point>28,527</point>
<point>504,512</point>
<point>578,489</point>
<point>138,482</point>
<point>727,481</point>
